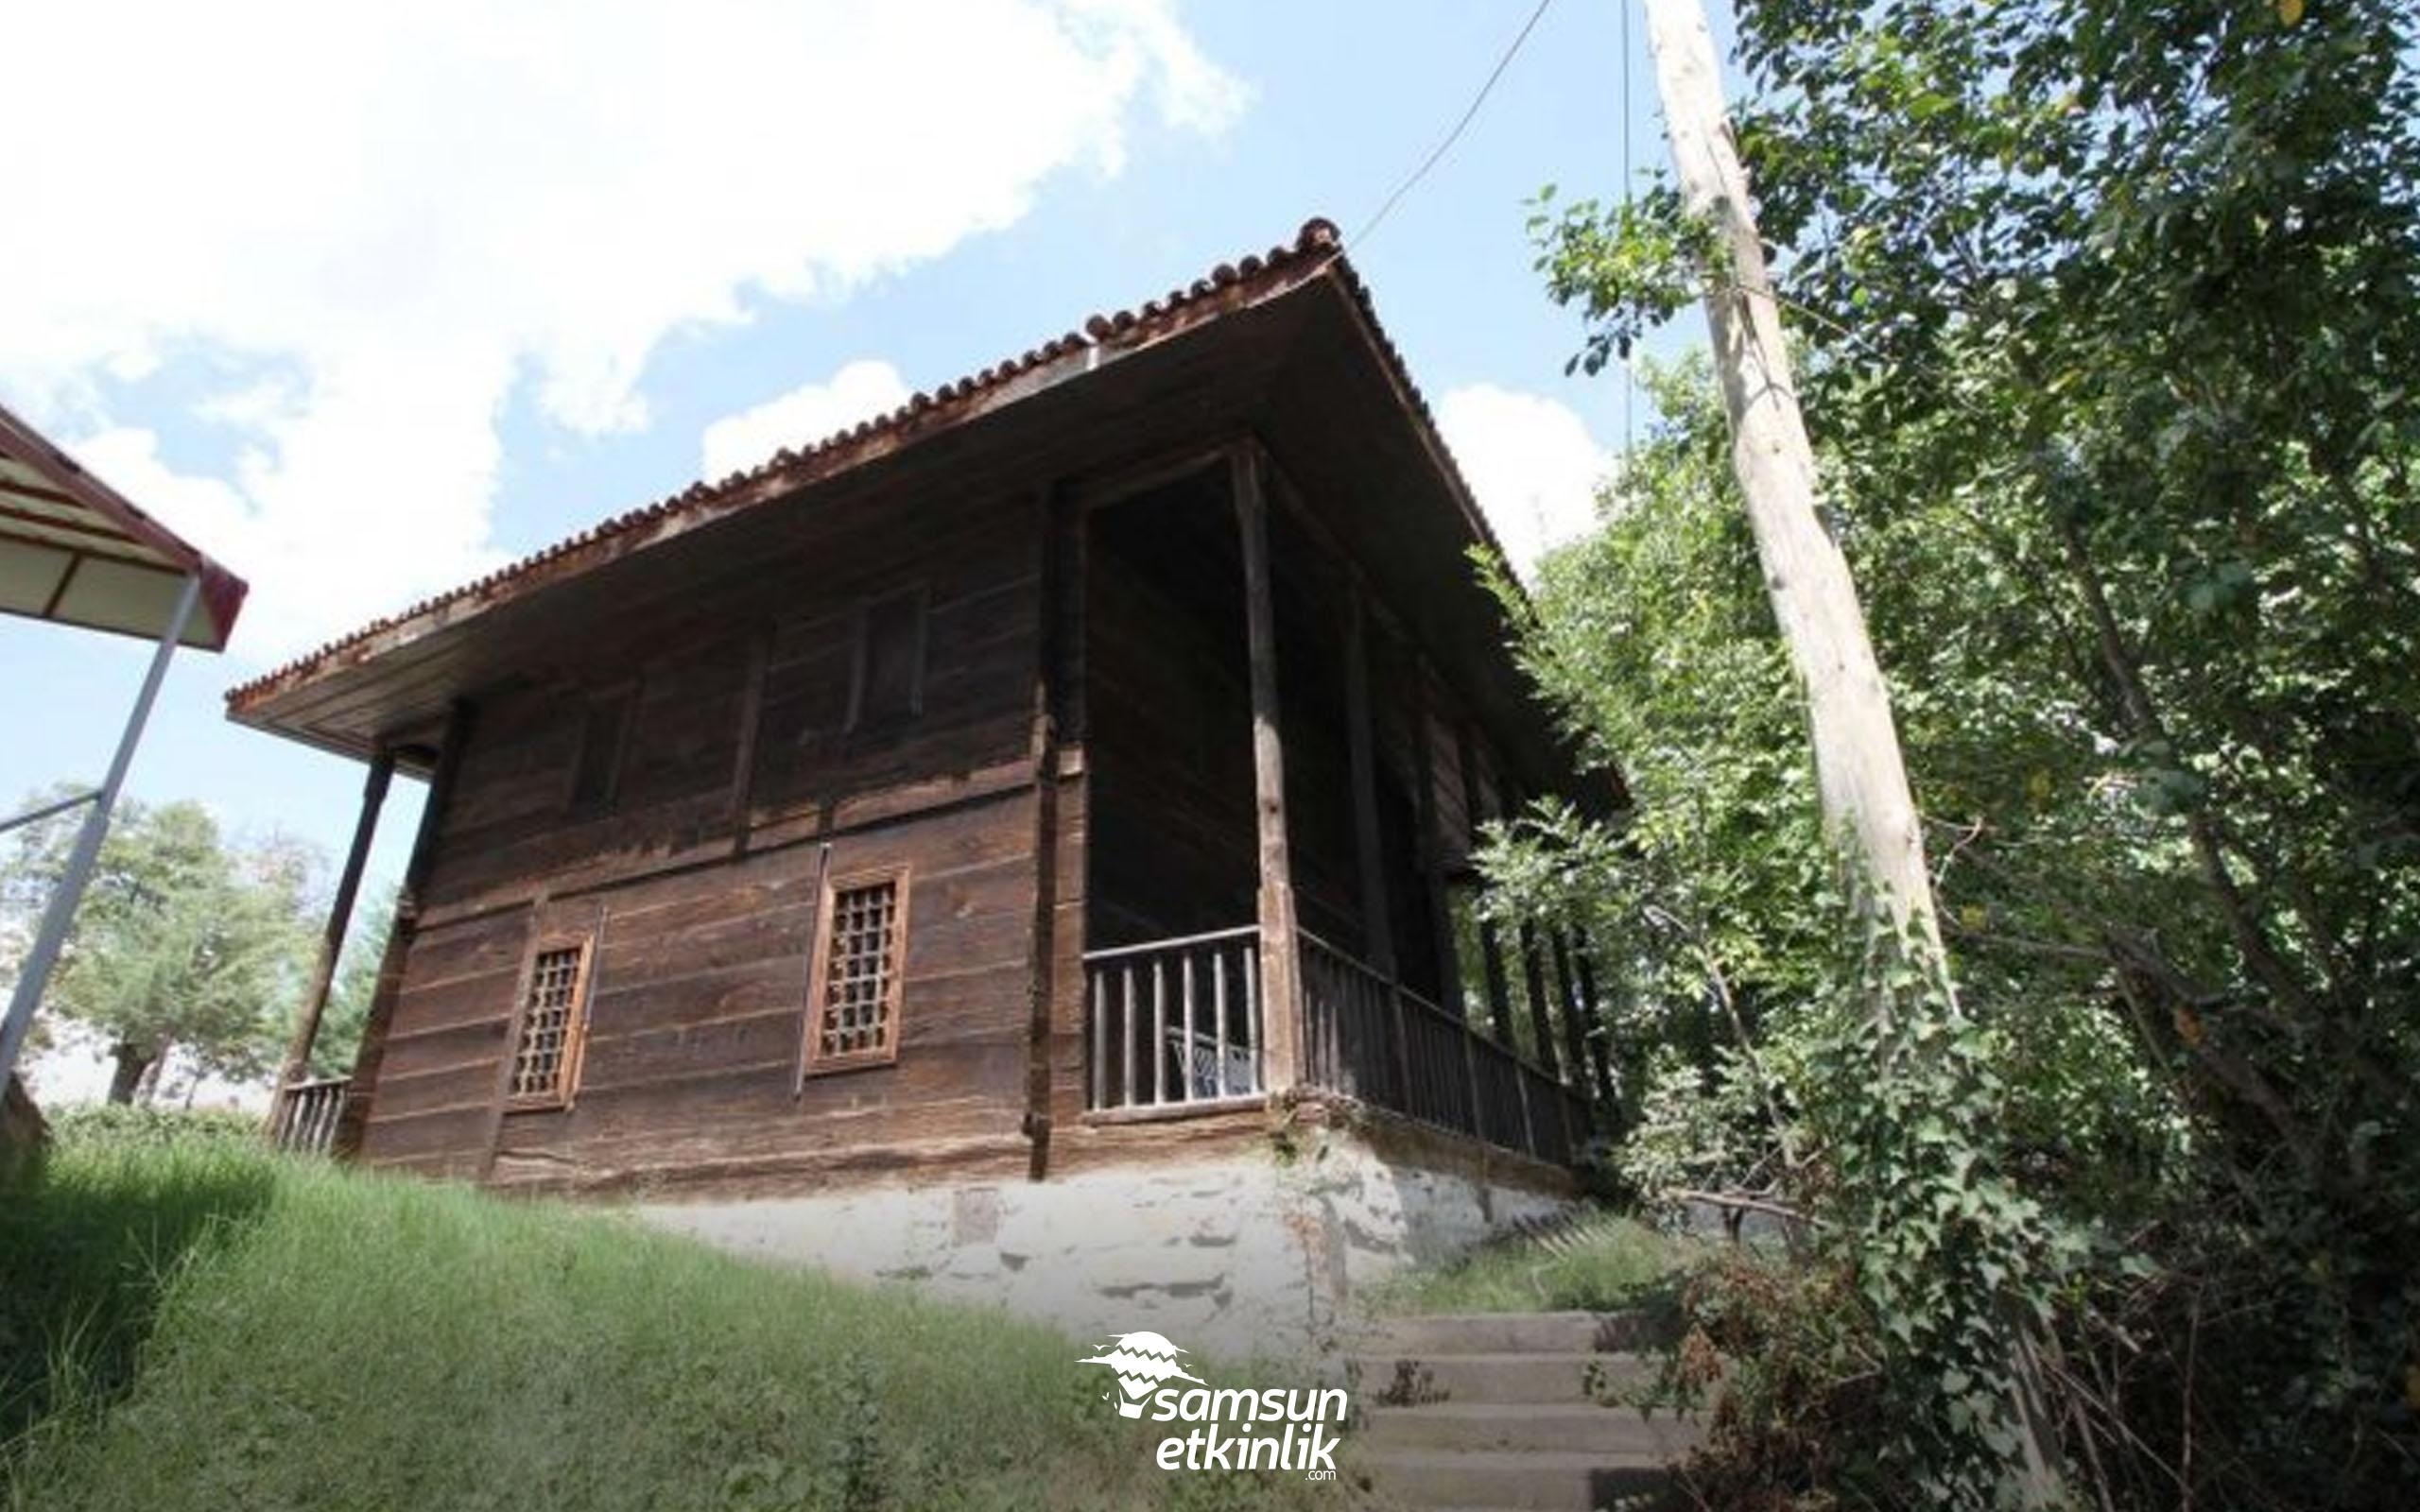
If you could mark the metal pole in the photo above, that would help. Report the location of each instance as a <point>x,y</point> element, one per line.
<point>45,811</point>
<point>62,909</point>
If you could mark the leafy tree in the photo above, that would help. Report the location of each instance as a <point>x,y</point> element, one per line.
<point>182,942</point>
<point>2109,324</point>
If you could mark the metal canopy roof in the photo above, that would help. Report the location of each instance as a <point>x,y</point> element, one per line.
<point>75,551</point>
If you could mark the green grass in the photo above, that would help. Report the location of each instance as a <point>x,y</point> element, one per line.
<point>1601,1262</point>
<point>186,1322</point>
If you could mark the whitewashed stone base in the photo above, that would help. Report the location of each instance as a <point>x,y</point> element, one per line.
<point>1242,1255</point>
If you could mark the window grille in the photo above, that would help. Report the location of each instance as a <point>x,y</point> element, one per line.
<point>546,1059</point>
<point>856,1016</point>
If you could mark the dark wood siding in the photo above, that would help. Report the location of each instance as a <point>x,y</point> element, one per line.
<point>698,876</point>
<point>764,724</point>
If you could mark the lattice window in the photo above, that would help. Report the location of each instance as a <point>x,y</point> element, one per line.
<point>857,1005</point>
<point>545,1061</point>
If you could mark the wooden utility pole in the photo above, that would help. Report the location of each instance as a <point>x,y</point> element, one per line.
<point>1860,775</point>
<point>1862,781</point>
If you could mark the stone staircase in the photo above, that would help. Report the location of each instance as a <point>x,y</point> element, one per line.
<point>1505,1411</point>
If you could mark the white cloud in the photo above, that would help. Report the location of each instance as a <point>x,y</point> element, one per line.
<point>1531,462</point>
<point>860,390</point>
<point>402,213</point>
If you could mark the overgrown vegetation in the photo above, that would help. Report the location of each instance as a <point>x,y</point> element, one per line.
<point>1600,1263</point>
<point>187,1322</point>
<point>2108,316</point>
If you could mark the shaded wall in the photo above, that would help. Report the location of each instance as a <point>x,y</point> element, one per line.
<point>698,881</point>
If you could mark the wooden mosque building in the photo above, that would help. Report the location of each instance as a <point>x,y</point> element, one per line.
<point>1079,765</point>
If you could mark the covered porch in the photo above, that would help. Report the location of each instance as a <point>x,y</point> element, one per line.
<point>1284,786</point>
<point>1177,1027</point>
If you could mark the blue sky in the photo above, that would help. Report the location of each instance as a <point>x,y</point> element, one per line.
<point>368,311</point>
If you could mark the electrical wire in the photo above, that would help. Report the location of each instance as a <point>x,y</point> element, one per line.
<point>1451,137</point>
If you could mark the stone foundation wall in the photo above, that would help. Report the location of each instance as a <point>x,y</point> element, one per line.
<point>1242,1254</point>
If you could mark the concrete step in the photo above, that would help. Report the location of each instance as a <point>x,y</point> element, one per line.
<point>1528,1426</point>
<point>1507,1377</point>
<point>1515,1332</point>
<point>1526,1479</point>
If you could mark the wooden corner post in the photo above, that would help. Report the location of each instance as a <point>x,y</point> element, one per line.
<point>1280,960</point>
<point>356,1119</point>
<point>323,972</point>
<point>1059,546</point>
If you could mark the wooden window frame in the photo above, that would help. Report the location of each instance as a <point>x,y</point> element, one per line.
<point>575,1022</point>
<point>861,658</point>
<point>626,694</point>
<point>813,1060</point>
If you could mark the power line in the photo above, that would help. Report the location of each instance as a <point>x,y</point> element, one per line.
<point>1451,137</point>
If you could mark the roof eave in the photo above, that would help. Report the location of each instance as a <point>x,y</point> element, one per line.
<point>1104,341</point>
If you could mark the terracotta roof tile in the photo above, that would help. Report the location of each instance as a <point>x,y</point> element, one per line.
<point>1316,248</point>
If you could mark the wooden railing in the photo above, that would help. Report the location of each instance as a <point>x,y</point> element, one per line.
<point>306,1121</point>
<point>1175,1020</point>
<point>1354,1035</point>
<point>1373,1037</point>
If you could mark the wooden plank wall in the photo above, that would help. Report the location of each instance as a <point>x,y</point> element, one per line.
<point>699,996</point>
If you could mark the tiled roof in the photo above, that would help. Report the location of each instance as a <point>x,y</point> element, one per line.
<point>1316,248</point>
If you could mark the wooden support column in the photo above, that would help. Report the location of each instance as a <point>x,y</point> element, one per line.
<point>451,741</point>
<point>1534,974</point>
<point>1059,537</point>
<point>1500,991</point>
<point>323,972</point>
<point>1575,1032</point>
<point>1499,982</point>
<point>1432,850</point>
<point>1280,959</point>
<point>1599,1043</point>
<point>1377,927</point>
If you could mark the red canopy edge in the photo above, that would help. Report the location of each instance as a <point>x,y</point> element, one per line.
<point>67,509</point>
